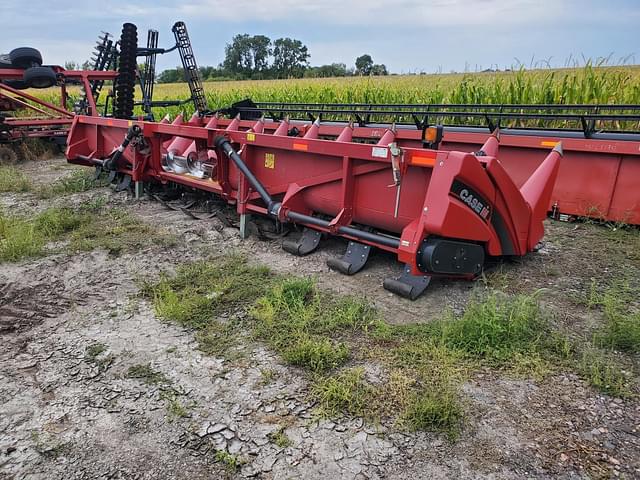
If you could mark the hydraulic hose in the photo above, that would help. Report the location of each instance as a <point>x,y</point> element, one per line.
<point>274,207</point>
<point>112,163</point>
<point>223,143</point>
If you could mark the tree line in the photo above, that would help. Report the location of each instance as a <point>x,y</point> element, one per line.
<point>257,57</point>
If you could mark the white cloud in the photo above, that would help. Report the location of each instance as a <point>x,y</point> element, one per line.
<point>376,14</point>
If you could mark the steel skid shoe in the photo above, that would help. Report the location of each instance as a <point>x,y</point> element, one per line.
<point>112,176</point>
<point>354,259</point>
<point>407,285</point>
<point>124,183</point>
<point>307,243</point>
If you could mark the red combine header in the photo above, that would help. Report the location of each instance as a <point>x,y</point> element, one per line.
<point>442,213</point>
<point>442,187</point>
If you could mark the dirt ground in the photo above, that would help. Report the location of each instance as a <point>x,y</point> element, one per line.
<point>70,415</point>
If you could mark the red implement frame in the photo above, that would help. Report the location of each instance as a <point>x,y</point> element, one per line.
<point>49,120</point>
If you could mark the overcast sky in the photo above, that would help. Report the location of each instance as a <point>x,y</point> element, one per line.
<point>406,35</point>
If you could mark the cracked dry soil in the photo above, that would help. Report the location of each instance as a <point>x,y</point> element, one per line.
<point>69,410</point>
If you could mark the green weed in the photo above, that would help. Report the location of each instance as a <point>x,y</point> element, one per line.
<point>230,462</point>
<point>497,328</point>
<point>314,353</point>
<point>19,239</point>
<point>76,182</point>
<point>26,237</point>
<point>299,321</point>
<point>346,392</point>
<point>621,329</point>
<point>436,409</point>
<point>13,180</point>
<point>603,373</point>
<point>147,374</point>
<point>200,291</point>
<point>279,438</point>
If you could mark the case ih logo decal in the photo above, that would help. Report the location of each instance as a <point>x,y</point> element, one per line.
<point>474,201</point>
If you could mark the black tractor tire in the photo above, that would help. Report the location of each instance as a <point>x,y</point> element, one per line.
<point>39,77</point>
<point>25,57</point>
<point>8,155</point>
<point>126,80</point>
<point>5,61</point>
<point>17,84</point>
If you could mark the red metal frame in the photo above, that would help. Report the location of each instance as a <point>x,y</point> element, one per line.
<point>52,120</point>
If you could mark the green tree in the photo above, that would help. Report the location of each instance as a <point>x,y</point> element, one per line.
<point>290,58</point>
<point>172,75</point>
<point>247,55</point>
<point>325,71</point>
<point>364,64</point>
<point>379,69</point>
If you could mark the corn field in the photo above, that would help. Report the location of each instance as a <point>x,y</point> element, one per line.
<point>589,84</point>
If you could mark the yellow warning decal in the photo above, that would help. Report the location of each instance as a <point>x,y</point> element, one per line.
<point>251,137</point>
<point>130,123</point>
<point>545,143</point>
<point>269,160</point>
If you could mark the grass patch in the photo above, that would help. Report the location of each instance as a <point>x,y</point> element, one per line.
<point>436,409</point>
<point>301,323</point>
<point>345,392</point>
<point>116,231</point>
<point>93,351</point>
<point>497,328</point>
<point>230,462</point>
<point>85,229</point>
<point>19,239</point>
<point>13,180</point>
<point>603,373</point>
<point>26,237</point>
<point>279,438</point>
<point>198,293</point>
<point>147,374</point>
<point>618,302</point>
<point>219,339</point>
<point>201,291</point>
<point>76,182</point>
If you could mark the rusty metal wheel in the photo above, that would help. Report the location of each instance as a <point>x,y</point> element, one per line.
<point>8,156</point>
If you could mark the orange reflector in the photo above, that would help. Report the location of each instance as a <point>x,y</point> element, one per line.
<point>431,134</point>
<point>424,159</point>
<point>548,144</point>
<point>300,146</point>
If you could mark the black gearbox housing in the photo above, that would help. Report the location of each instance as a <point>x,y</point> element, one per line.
<point>450,257</point>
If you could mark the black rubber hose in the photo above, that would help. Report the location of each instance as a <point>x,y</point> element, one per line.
<point>274,207</point>
<point>112,163</point>
<point>223,143</point>
<point>126,80</point>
